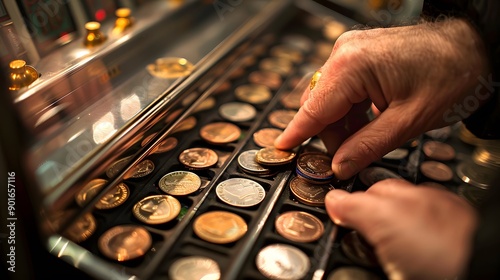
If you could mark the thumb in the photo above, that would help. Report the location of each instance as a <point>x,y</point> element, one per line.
<point>370,143</point>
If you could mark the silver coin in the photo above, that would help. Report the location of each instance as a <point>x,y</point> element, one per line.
<point>372,175</point>
<point>180,183</point>
<point>282,261</point>
<point>240,192</point>
<point>396,154</point>
<point>247,162</point>
<point>351,272</point>
<point>194,268</point>
<point>237,111</point>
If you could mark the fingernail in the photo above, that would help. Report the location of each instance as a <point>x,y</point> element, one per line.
<point>347,169</point>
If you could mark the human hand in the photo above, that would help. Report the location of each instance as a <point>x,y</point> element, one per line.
<point>416,232</point>
<point>412,74</point>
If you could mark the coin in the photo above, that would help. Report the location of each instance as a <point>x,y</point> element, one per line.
<point>117,166</point>
<point>170,67</point>
<point>186,124</point>
<point>89,191</point>
<point>358,250</point>
<point>282,261</point>
<point>299,226</point>
<point>396,154</point>
<point>253,93</point>
<point>291,100</point>
<point>438,150</point>
<point>147,139</point>
<point>317,166</point>
<point>298,41</point>
<point>308,193</point>
<point>180,183</point>
<point>157,209</point>
<point>225,86</point>
<point>198,158</point>
<point>115,197</point>
<point>142,169</point>
<point>237,111</point>
<point>287,52</point>
<point>265,137</point>
<point>372,175</point>
<point>125,242</point>
<point>269,79</point>
<point>220,133</point>
<point>194,268</point>
<point>82,229</point>
<point>351,272</point>
<point>436,171</point>
<point>238,72</point>
<point>219,227</point>
<point>246,160</point>
<point>272,156</point>
<point>206,104</point>
<point>240,192</point>
<point>278,65</point>
<point>165,145</point>
<point>281,118</point>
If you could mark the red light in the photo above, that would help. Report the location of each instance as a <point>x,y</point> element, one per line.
<point>100,15</point>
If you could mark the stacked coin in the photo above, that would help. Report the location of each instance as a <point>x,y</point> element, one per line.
<point>282,261</point>
<point>315,168</point>
<point>220,227</point>
<point>240,192</point>
<point>308,193</point>
<point>198,158</point>
<point>219,133</point>
<point>247,163</point>
<point>125,242</point>
<point>271,156</point>
<point>299,226</point>
<point>157,209</point>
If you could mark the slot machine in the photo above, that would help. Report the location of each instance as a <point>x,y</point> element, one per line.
<point>137,141</point>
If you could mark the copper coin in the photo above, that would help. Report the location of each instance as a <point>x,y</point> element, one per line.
<point>219,227</point>
<point>265,137</point>
<point>282,261</point>
<point>299,226</point>
<point>82,229</point>
<point>225,86</point>
<point>352,272</point>
<point>315,165</point>
<point>269,79</point>
<point>198,158</point>
<point>272,156</point>
<point>115,197</point>
<point>140,170</point>
<point>117,166</point>
<point>291,100</point>
<point>358,250</point>
<point>278,65</point>
<point>148,139</point>
<point>372,175</point>
<point>438,150</point>
<point>180,183</point>
<point>165,145</point>
<point>89,191</point>
<point>238,72</point>
<point>125,242</point>
<point>246,160</point>
<point>253,94</point>
<point>308,193</point>
<point>186,124</point>
<point>195,268</point>
<point>237,111</point>
<point>281,118</point>
<point>157,209</point>
<point>220,133</point>
<point>240,192</point>
<point>287,52</point>
<point>436,171</point>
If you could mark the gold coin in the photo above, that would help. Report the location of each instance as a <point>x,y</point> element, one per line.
<point>220,133</point>
<point>308,193</point>
<point>265,137</point>
<point>299,226</point>
<point>157,209</point>
<point>125,242</point>
<point>287,52</point>
<point>273,156</point>
<point>269,79</point>
<point>82,229</point>
<point>114,197</point>
<point>117,166</point>
<point>180,183</point>
<point>219,227</point>
<point>140,170</point>
<point>170,67</point>
<point>254,94</point>
<point>281,118</point>
<point>198,158</point>
<point>278,65</point>
<point>89,191</point>
<point>314,80</point>
<point>186,124</point>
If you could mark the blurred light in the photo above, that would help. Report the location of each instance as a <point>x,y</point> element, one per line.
<point>100,15</point>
